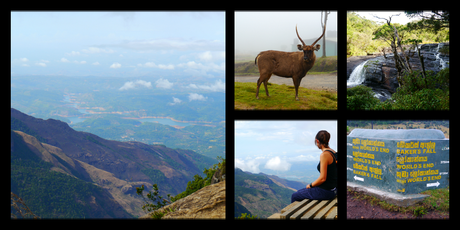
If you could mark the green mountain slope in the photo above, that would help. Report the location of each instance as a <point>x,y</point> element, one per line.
<point>115,167</point>
<point>259,194</point>
<point>52,194</point>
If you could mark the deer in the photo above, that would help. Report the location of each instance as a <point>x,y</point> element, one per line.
<point>293,65</point>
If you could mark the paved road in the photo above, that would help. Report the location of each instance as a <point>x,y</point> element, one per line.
<point>317,82</point>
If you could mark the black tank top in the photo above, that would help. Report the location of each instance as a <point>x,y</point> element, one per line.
<point>331,179</point>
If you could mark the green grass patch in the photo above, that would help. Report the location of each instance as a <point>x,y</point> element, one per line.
<point>282,97</point>
<point>437,201</point>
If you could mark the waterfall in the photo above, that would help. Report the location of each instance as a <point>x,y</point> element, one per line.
<point>357,77</point>
<point>442,62</point>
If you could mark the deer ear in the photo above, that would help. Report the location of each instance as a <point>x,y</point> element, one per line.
<point>317,47</point>
<point>299,47</point>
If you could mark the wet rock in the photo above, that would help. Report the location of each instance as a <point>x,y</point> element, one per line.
<point>380,71</point>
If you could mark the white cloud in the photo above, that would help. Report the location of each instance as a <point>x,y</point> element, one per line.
<point>93,50</point>
<point>153,65</point>
<point>218,86</point>
<point>197,68</point>
<point>25,65</point>
<point>278,164</point>
<point>41,64</point>
<point>64,60</point>
<point>95,63</point>
<point>176,101</point>
<point>149,64</point>
<point>24,59</point>
<point>115,65</point>
<point>195,96</point>
<point>164,83</point>
<point>161,66</point>
<point>73,53</point>
<point>248,165</point>
<point>173,44</point>
<point>132,85</point>
<point>206,56</point>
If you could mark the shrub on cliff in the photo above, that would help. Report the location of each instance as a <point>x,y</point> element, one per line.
<point>361,98</point>
<point>419,93</point>
<point>154,201</point>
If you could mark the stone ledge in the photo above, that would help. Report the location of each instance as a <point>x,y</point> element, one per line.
<point>392,198</point>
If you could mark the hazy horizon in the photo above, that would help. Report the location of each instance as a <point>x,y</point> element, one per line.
<point>118,43</point>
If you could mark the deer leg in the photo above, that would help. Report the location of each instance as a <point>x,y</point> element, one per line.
<point>296,85</point>
<point>257,90</point>
<point>266,89</point>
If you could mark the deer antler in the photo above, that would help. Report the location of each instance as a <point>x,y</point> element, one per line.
<point>319,37</point>
<point>303,43</point>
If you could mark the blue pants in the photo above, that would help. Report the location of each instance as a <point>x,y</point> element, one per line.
<point>314,193</point>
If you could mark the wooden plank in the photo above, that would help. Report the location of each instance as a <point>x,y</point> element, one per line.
<point>294,209</point>
<point>310,214</point>
<point>332,213</point>
<point>326,209</point>
<point>305,208</point>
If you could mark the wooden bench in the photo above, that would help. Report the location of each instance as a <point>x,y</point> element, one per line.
<point>310,209</point>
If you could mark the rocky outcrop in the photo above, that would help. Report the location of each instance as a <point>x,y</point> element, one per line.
<point>381,72</point>
<point>206,203</point>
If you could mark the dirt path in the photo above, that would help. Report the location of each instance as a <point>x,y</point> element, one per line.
<point>317,82</point>
<point>361,209</point>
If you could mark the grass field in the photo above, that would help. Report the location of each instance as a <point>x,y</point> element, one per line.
<point>282,97</point>
<point>438,201</point>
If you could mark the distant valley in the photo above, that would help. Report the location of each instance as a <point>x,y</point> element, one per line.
<point>262,194</point>
<point>98,105</point>
<point>63,173</point>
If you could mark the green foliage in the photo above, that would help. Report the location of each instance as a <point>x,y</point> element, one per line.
<point>419,93</point>
<point>154,197</point>
<point>419,211</point>
<point>361,98</point>
<point>438,200</point>
<point>359,36</point>
<point>365,36</point>
<point>154,201</point>
<point>199,182</point>
<point>387,33</point>
<point>245,216</point>
<point>416,93</point>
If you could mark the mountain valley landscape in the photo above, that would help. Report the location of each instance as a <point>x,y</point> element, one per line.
<point>63,173</point>
<point>261,194</point>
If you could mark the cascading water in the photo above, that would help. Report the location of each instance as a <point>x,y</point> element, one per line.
<point>442,62</point>
<point>357,77</point>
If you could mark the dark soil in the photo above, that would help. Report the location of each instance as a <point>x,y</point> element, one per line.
<point>362,209</point>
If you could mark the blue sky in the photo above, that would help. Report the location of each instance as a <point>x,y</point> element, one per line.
<point>276,145</point>
<point>118,43</point>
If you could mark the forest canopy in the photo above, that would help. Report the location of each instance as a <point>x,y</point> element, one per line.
<point>362,39</point>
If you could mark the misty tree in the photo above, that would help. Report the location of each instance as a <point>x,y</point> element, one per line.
<point>322,26</point>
